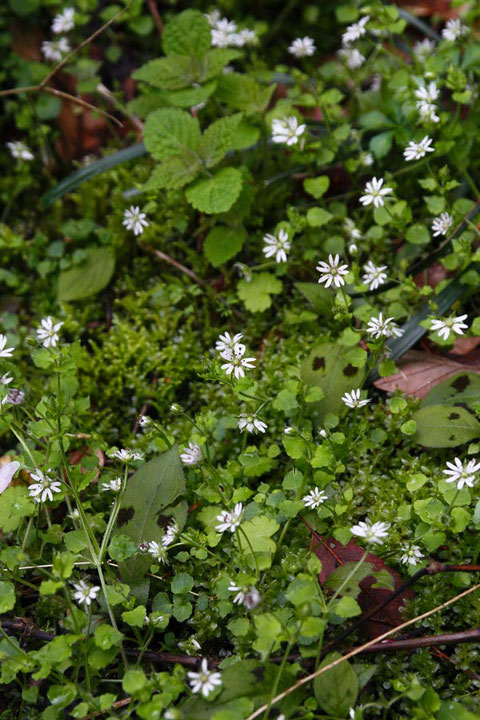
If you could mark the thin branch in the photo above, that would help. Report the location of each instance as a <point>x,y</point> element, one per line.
<point>465,636</point>
<point>157,18</point>
<point>78,101</point>
<point>176,264</point>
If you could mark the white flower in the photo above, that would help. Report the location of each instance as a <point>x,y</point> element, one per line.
<point>4,351</point>
<point>240,596</point>
<point>204,681</point>
<point>64,21</point>
<point>84,593</point>
<point>386,327</point>
<point>170,534</point>
<point>191,454</point>
<point>428,93</point>
<point>55,49</point>
<point>411,554</point>
<point>247,37</point>
<point>230,520</point>
<point>461,473</point>
<point>20,151</point>
<point>212,17</point>
<point>252,598</point>
<point>453,30</point>
<point>375,275</point>
<point>277,245</point>
<point>289,430</point>
<point>351,229</point>
<point>44,487</point>
<point>353,400</point>
<point>442,224</point>
<point>367,159</point>
<point>7,471</point>
<point>452,324</point>
<point>157,551</point>
<point>174,407</point>
<point>428,112</point>
<point>314,498</point>
<point>251,423</point>
<point>353,58</point>
<point>47,333</point>
<point>125,455</point>
<point>355,31</point>
<point>236,362</point>
<point>302,47</point>
<point>331,272</point>
<point>135,220</point>
<point>6,379</point>
<point>228,342</point>
<point>423,49</point>
<point>287,130</point>
<point>115,485</point>
<point>224,33</point>
<point>415,151</point>
<point>14,397</point>
<point>373,534</point>
<point>144,420</point>
<point>374,193</point>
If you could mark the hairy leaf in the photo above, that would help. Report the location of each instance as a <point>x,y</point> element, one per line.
<point>170,131</point>
<point>187,34</point>
<point>174,172</point>
<point>169,73</point>
<point>218,193</point>
<point>217,139</point>
<point>242,92</point>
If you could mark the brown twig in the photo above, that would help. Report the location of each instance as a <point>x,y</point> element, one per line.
<point>464,636</point>
<point>171,261</point>
<point>157,18</point>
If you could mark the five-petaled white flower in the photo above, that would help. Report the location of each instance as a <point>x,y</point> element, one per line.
<point>157,551</point>
<point>423,49</point>
<point>427,112</point>
<point>115,485</point>
<point>411,554</point>
<point>64,21</point>
<point>170,534</point>
<point>44,487</point>
<point>355,31</point>
<point>454,29</point>
<point>125,455</point>
<point>314,498</point>
<point>85,593</point>
<point>251,423</point>
<point>191,454</point>
<point>442,224</point>
<point>352,57</point>
<point>236,362</point>
<point>332,272</point>
<point>135,220</point>
<point>302,47</point>
<point>228,342</point>
<point>427,93</point>
<point>277,245</point>
<point>20,151</point>
<point>287,130</point>
<point>462,473</point>
<point>352,399</point>
<point>7,471</point>
<point>240,594</point>
<point>375,192</point>
<point>55,49</point>
<point>415,151</point>
<point>204,681</point>
<point>386,327</point>
<point>452,324</point>
<point>47,332</point>
<point>230,520</point>
<point>374,275</point>
<point>372,533</point>
<point>14,397</point>
<point>4,351</point>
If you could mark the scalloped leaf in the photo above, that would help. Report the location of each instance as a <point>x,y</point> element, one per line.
<point>187,34</point>
<point>223,243</point>
<point>218,193</point>
<point>217,139</point>
<point>170,131</point>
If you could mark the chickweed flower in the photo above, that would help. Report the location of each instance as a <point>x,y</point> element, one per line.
<point>423,49</point>
<point>352,57</point>
<point>355,31</point>
<point>54,50</point>
<point>372,533</point>
<point>374,275</point>
<point>427,112</point>
<point>454,29</point>
<point>236,362</point>
<point>332,272</point>
<point>302,47</point>
<point>252,598</point>
<point>228,342</point>
<point>452,324</point>
<point>378,327</point>
<point>277,245</point>
<point>374,193</point>
<point>462,473</point>
<point>135,220</point>
<point>85,593</point>
<point>251,423</point>
<point>14,397</point>
<point>427,93</point>
<point>20,151</point>
<point>6,379</point>
<point>351,229</point>
<point>157,551</point>
<point>442,224</point>
<point>44,487</point>
<point>115,485</point>
<point>411,554</point>
<point>240,595</point>
<point>314,498</point>
<point>47,332</point>
<point>7,471</point>
<point>64,21</point>
<point>415,151</point>
<point>191,454</point>
<point>352,399</point>
<point>204,681</point>
<point>230,520</point>
<point>170,534</point>
<point>287,130</point>
<point>4,351</point>
<point>125,455</point>
<point>144,421</point>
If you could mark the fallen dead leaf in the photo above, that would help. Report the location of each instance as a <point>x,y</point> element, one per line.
<point>464,345</point>
<point>426,8</point>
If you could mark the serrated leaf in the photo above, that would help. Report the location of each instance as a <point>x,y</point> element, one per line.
<point>223,243</point>
<point>216,194</point>
<point>256,294</point>
<point>192,95</point>
<point>243,92</point>
<point>174,172</point>
<point>442,426</point>
<point>89,277</point>
<point>187,33</point>
<point>215,60</point>
<point>217,139</point>
<point>246,136</point>
<point>170,131</point>
<point>169,73</point>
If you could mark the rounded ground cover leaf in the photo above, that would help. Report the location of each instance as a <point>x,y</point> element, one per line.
<point>223,243</point>
<point>89,278</point>
<point>442,426</point>
<point>256,293</point>
<point>461,388</point>
<point>218,193</point>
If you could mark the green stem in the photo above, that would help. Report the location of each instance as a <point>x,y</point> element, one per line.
<point>277,679</point>
<point>348,578</point>
<point>240,529</point>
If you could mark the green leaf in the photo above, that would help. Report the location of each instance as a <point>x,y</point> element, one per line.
<point>450,710</point>
<point>317,295</point>
<point>242,92</point>
<point>374,120</point>
<point>418,234</point>
<point>317,187</point>
<point>218,193</point>
<point>136,617</point>
<point>15,505</point>
<point>169,73</point>
<point>337,689</point>
<point>133,681</point>
<point>7,596</point>
<point>347,607</point>
<point>316,217</point>
<point>187,33</point>
<point>215,60</point>
<point>256,294</point>
<point>175,172</point>
<point>222,243</point>
<point>217,139</point>
<point>106,636</point>
<point>442,426</point>
<point>170,131</point>
<point>381,144</point>
<point>352,586</point>
<point>246,136</point>
<point>181,583</point>
<point>121,548</point>
<point>88,278</point>
<point>258,531</point>
<point>295,447</point>
<point>61,695</point>
<point>462,388</point>
<point>192,95</point>
<point>150,493</point>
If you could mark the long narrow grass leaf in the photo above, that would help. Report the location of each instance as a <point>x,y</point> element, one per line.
<point>419,24</point>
